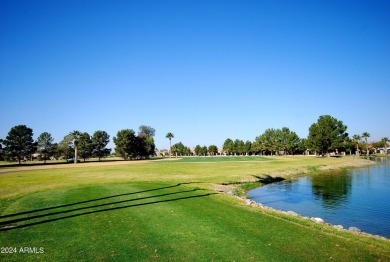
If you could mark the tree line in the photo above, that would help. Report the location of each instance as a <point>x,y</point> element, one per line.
<point>327,135</point>
<point>19,145</point>
<point>179,149</point>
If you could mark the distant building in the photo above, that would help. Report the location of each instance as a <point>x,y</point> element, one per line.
<point>163,152</point>
<point>381,150</point>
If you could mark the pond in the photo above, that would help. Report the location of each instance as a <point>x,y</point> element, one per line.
<point>351,198</point>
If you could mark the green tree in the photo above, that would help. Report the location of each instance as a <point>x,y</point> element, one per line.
<point>204,150</point>
<point>213,150</point>
<point>100,140</point>
<point>147,130</point>
<point>228,146</point>
<point>327,134</point>
<point>170,136</point>
<point>144,146</point>
<point>125,144</point>
<point>140,147</point>
<point>256,147</point>
<point>148,133</point>
<point>19,143</point>
<point>377,144</point>
<point>271,140</point>
<point>187,151</point>
<point>178,149</point>
<point>45,145</point>
<point>289,140</point>
<point>85,146</point>
<point>198,150</point>
<point>356,139</point>
<point>301,148</point>
<point>239,147</point>
<point>55,152</point>
<point>65,147</point>
<point>267,142</point>
<point>150,147</point>
<point>248,147</point>
<point>277,140</point>
<point>349,145</point>
<point>366,135</point>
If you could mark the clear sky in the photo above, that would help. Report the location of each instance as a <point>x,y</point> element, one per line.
<point>203,70</point>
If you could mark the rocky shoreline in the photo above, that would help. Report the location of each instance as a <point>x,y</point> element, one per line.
<point>229,190</point>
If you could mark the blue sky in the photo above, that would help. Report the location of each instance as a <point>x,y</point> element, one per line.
<point>203,70</point>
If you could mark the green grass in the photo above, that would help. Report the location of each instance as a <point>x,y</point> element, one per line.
<point>56,162</point>
<point>165,210</point>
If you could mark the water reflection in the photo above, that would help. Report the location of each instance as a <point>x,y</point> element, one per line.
<point>332,188</point>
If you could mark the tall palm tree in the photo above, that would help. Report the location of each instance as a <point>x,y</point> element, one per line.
<point>366,135</point>
<point>170,136</point>
<point>76,137</point>
<point>385,140</point>
<point>357,138</point>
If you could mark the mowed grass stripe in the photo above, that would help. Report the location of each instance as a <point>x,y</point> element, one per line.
<point>91,201</point>
<point>90,206</point>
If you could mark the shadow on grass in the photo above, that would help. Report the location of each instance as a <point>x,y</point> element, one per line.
<point>8,224</point>
<point>94,206</point>
<point>267,179</point>
<point>93,200</point>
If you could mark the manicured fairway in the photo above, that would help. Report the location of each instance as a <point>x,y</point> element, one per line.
<point>162,211</point>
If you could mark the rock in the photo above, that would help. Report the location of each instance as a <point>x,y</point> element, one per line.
<point>354,229</point>
<point>317,220</point>
<point>338,227</point>
<point>247,201</point>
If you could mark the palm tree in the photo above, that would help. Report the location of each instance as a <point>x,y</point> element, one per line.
<point>169,136</point>
<point>76,136</point>
<point>385,140</point>
<point>357,138</point>
<point>366,135</point>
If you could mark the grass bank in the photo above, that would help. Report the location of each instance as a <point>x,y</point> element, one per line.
<point>166,210</point>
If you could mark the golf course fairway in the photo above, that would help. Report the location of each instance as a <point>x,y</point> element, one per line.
<point>165,210</point>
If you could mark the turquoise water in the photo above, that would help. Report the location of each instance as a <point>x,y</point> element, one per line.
<point>358,197</point>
